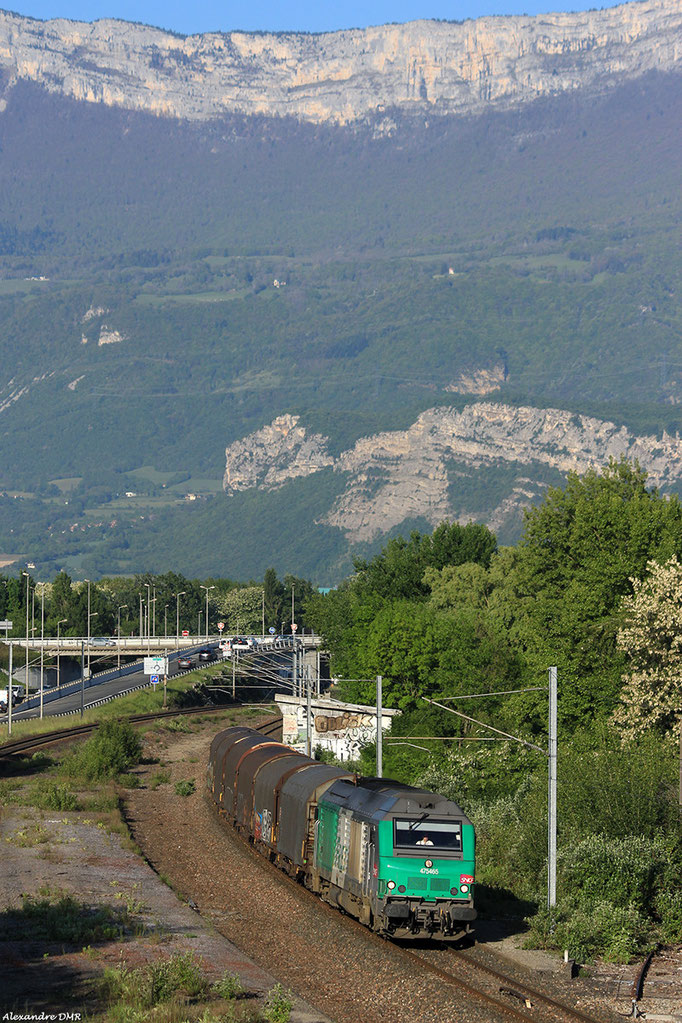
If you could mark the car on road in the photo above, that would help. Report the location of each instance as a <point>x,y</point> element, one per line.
<point>185,662</point>
<point>207,654</point>
<point>242,643</point>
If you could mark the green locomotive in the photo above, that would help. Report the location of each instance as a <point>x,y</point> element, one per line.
<point>399,859</point>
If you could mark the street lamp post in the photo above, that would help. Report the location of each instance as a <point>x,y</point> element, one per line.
<point>91,614</point>
<point>199,625</point>
<point>42,645</point>
<point>149,607</point>
<point>140,596</point>
<point>177,617</point>
<point>165,622</point>
<point>61,621</point>
<point>118,633</point>
<point>88,582</point>
<point>28,583</point>
<point>263,615</point>
<point>207,588</point>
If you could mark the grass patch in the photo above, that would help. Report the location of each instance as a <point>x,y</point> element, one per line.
<point>60,917</point>
<point>185,788</point>
<point>160,778</point>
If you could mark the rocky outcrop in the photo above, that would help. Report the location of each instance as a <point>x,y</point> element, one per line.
<point>405,474</point>
<point>423,66</point>
<point>270,457</point>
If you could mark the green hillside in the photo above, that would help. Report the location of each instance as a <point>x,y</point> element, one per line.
<point>560,222</point>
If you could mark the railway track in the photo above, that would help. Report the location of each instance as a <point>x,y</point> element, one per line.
<point>33,743</point>
<point>509,997</point>
<point>496,994</point>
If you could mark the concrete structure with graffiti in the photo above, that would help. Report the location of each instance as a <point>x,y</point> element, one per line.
<point>341,728</point>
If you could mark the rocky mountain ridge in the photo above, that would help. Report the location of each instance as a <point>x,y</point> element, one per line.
<point>428,67</point>
<point>399,475</point>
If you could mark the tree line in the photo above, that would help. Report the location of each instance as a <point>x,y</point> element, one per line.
<point>595,588</point>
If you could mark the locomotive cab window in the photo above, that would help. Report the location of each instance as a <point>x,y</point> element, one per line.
<point>419,835</point>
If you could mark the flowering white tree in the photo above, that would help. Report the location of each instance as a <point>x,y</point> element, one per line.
<point>651,699</point>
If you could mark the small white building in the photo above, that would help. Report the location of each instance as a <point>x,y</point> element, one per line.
<point>341,728</point>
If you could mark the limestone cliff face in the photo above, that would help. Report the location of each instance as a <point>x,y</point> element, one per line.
<point>272,456</point>
<point>404,474</point>
<point>341,77</point>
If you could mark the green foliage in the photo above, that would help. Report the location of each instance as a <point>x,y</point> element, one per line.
<point>160,778</point>
<point>54,796</point>
<point>155,983</point>
<point>113,748</point>
<point>185,787</point>
<point>278,1005</point>
<point>229,986</point>
<point>60,917</point>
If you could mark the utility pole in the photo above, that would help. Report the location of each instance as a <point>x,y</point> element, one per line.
<point>551,803</point>
<point>9,700</point>
<point>118,634</point>
<point>62,621</point>
<point>294,674</point>
<point>234,674</point>
<point>309,731</point>
<point>28,582</point>
<point>177,617</point>
<point>42,646</point>
<point>82,677</point>
<point>380,737</point>
<point>88,582</point>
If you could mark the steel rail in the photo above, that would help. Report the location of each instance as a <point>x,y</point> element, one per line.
<point>34,742</point>
<point>508,985</point>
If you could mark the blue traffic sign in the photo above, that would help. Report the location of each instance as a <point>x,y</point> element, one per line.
<point>271,631</point>
<point>154,679</point>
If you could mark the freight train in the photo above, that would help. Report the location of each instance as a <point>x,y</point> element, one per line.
<point>399,859</point>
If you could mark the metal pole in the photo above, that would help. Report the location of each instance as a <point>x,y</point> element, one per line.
<point>292,607</point>
<point>9,701</point>
<point>42,646</point>
<point>154,615</point>
<point>309,731</point>
<point>82,678</point>
<point>88,582</point>
<point>177,617</point>
<point>263,617</point>
<point>317,658</point>
<point>61,622</point>
<point>206,623</point>
<point>234,674</point>
<point>165,622</point>
<point>294,674</point>
<point>552,808</point>
<point>140,596</point>
<point>149,605</point>
<point>28,581</point>
<point>380,751</point>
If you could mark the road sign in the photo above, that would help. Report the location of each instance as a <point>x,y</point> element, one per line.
<point>154,680</point>
<point>272,630</point>
<point>185,633</point>
<point>6,624</point>
<point>294,626</point>
<point>221,626</point>
<point>156,665</point>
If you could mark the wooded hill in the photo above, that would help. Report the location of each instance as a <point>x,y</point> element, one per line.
<point>158,336</point>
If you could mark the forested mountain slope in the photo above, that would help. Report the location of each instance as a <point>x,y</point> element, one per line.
<point>169,287</point>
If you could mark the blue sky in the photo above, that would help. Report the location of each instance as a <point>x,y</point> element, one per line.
<point>297,15</point>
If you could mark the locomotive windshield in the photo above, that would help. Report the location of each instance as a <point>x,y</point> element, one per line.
<point>420,834</point>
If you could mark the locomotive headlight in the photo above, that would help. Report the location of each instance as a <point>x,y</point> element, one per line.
<point>390,885</point>
<point>464,888</point>
<point>428,863</point>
